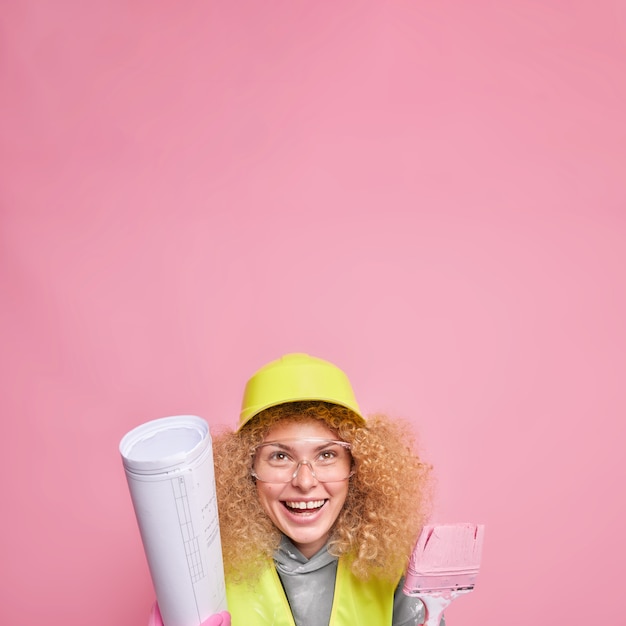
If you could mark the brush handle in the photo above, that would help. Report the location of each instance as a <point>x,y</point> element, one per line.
<point>435,606</point>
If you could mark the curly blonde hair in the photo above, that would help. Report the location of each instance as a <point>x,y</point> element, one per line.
<point>388,500</point>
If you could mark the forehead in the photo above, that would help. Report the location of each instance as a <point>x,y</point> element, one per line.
<point>290,429</point>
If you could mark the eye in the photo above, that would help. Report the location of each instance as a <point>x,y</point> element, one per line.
<point>278,456</point>
<point>327,456</point>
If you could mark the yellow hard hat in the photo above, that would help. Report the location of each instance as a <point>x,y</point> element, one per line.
<point>295,377</point>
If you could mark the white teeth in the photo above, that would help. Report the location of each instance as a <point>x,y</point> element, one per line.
<point>315,504</point>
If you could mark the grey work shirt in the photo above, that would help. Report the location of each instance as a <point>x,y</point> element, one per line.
<point>310,584</point>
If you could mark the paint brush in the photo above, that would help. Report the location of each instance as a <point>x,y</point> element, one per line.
<point>444,565</point>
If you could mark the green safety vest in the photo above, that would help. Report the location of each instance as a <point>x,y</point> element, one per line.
<point>355,602</point>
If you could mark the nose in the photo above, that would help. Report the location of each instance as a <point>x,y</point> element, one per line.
<point>306,479</point>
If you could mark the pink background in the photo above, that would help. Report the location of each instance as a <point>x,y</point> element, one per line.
<point>430,194</point>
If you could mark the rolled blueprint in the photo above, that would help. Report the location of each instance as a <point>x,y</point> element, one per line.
<point>169,469</point>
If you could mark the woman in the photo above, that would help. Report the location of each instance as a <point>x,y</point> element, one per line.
<point>319,507</point>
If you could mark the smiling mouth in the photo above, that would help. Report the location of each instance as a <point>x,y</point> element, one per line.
<point>304,507</point>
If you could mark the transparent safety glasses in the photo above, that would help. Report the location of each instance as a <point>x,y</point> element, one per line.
<point>280,461</point>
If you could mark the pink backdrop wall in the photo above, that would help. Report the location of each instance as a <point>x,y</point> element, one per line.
<point>432,195</point>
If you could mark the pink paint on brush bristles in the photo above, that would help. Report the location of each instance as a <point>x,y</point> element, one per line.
<point>444,565</point>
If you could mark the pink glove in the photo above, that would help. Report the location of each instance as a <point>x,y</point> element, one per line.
<point>219,619</point>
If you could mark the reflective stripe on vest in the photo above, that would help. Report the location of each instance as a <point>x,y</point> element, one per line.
<point>263,603</point>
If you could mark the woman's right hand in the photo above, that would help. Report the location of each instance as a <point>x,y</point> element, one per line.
<point>219,619</point>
